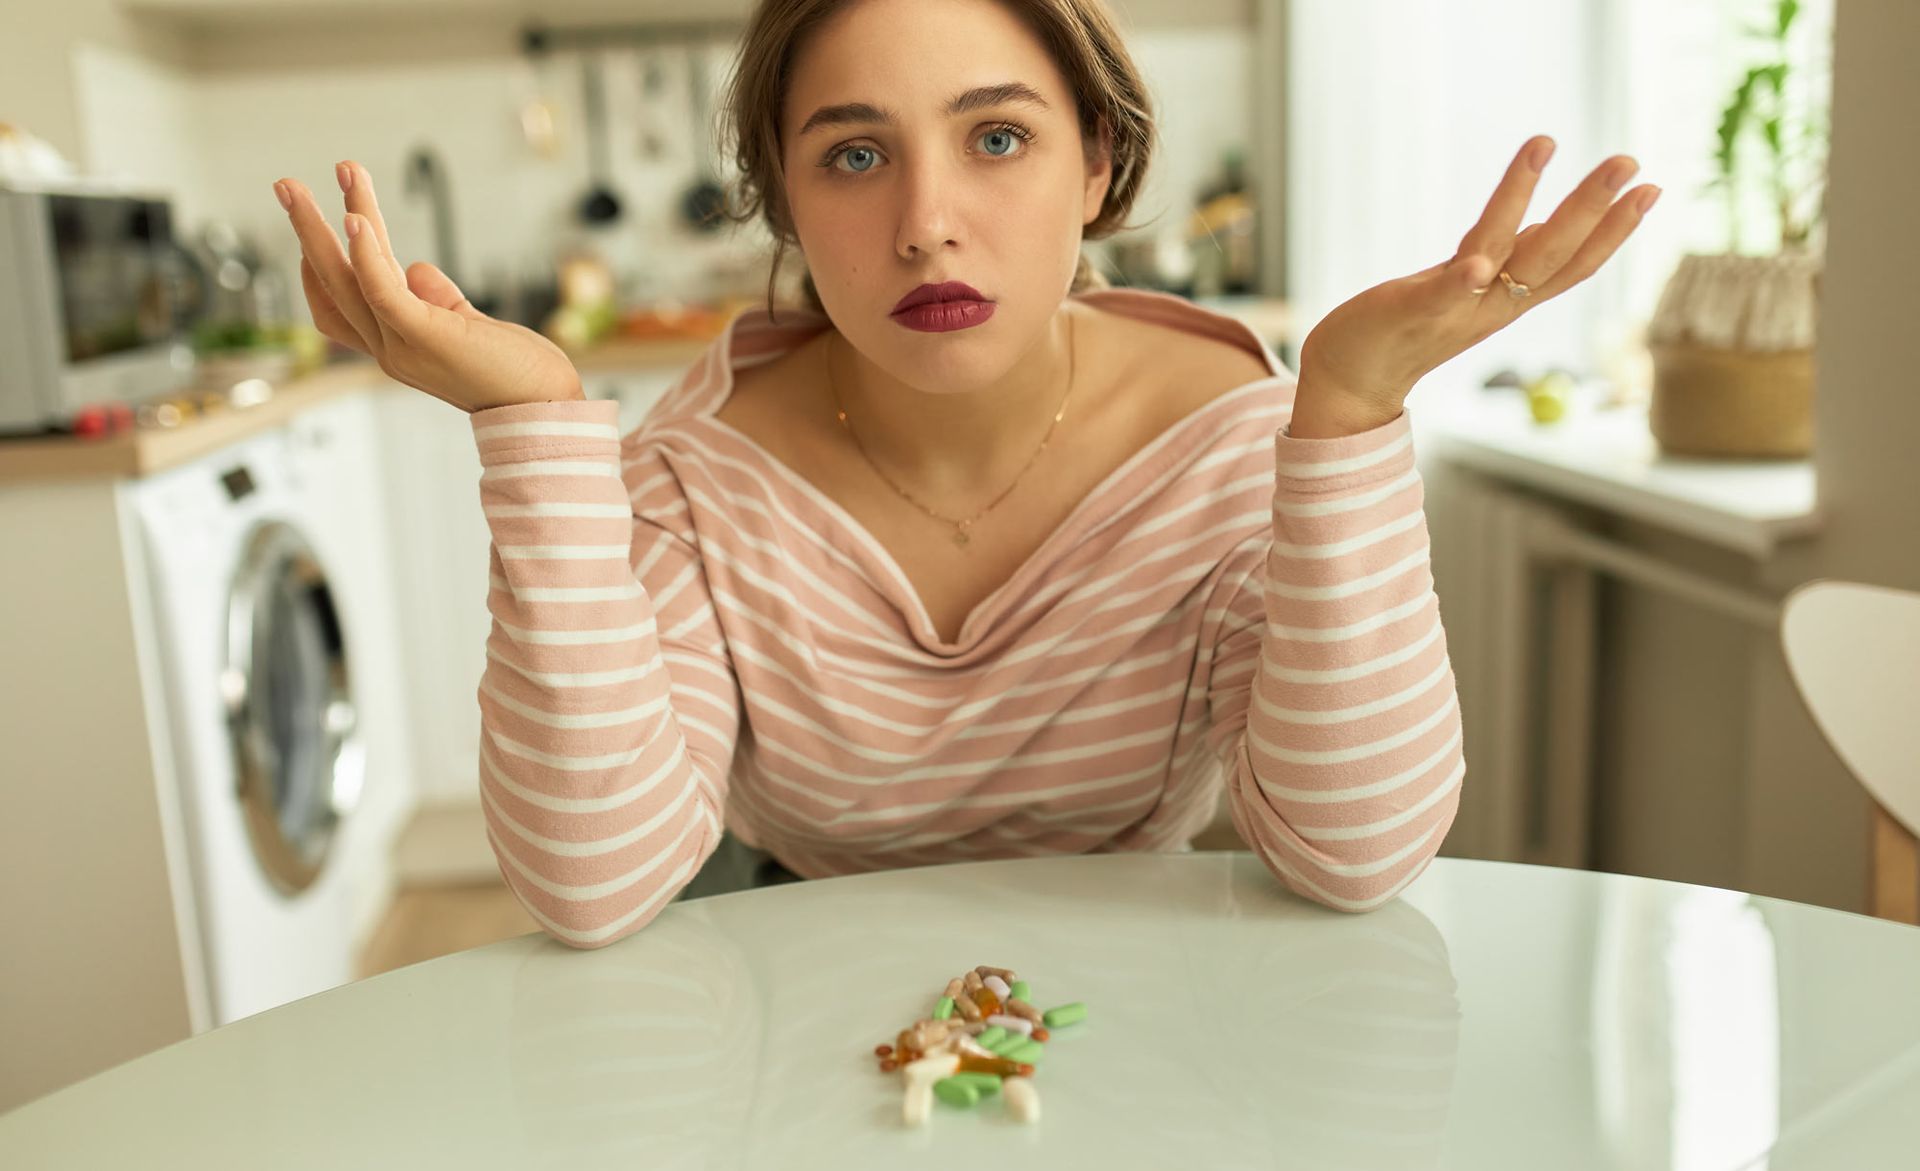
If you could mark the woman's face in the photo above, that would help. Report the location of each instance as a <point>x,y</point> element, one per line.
<point>927,141</point>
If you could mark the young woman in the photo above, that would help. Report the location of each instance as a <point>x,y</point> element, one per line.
<point>969,558</point>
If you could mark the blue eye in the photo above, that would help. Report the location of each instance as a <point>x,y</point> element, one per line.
<point>1001,142</point>
<point>859,158</point>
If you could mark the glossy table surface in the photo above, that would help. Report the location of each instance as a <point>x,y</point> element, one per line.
<point>1495,1016</point>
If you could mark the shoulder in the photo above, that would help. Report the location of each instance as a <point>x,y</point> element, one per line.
<point>1181,355</point>
<point>1170,334</point>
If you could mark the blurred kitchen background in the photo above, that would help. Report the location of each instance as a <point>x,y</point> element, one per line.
<point>1621,487</point>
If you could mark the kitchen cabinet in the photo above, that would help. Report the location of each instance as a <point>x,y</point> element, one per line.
<point>1613,619</point>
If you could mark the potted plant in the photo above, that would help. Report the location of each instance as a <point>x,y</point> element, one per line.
<point>1732,338</point>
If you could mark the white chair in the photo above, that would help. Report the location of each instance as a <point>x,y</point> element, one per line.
<point>1854,652</point>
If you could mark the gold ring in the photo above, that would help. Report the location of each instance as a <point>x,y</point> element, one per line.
<point>1515,289</point>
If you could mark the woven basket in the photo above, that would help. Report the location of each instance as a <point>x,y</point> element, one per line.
<point>1716,402</point>
<point>1732,347</point>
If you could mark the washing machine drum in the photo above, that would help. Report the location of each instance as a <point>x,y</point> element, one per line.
<point>298,764</point>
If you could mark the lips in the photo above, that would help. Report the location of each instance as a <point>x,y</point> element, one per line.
<point>935,293</point>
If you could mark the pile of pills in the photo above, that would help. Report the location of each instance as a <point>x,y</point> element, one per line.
<point>983,1039</point>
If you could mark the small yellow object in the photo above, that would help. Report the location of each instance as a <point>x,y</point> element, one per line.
<point>1547,396</point>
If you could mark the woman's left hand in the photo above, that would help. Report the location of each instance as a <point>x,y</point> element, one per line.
<point>1358,365</point>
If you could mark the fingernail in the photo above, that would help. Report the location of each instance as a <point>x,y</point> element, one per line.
<point>1647,200</point>
<point>1541,154</point>
<point>353,226</point>
<point>344,173</point>
<point>1618,174</point>
<point>285,197</point>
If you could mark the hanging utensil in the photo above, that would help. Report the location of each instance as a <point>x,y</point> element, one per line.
<point>600,205</point>
<point>653,88</point>
<point>702,201</point>
<point>533,111</point>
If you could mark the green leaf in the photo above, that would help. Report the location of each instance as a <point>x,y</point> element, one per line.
<point>1788,10</point>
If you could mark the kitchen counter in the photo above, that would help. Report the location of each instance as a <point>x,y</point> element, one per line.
<point>143,452</point>
<point>1607,458</point>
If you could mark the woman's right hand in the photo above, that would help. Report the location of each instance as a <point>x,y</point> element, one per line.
<point>414,322</point>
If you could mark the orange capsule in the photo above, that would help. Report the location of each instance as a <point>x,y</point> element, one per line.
<point>988,1002</point>
<point>883,1051</point>
<point>1026,1070</point>
<point>889,1065</point>
<point>1041,1035</point>
<point>998,1066</point>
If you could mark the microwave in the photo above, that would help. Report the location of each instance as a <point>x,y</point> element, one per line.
<point>88,312</point>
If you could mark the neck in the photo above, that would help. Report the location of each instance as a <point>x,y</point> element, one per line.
<point>956,448</point>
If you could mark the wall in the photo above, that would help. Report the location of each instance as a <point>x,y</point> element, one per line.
<point>1868,412</point>
<point>38,90</point>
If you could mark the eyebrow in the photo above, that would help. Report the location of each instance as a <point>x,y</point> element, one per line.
<point>1007,93</point>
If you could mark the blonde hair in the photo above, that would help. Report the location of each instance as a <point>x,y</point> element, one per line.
<point>1080,36</point>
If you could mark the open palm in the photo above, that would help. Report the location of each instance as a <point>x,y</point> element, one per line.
<point>414,321</point>
<point>1380,343</point>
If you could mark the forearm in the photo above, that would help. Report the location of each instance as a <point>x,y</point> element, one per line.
<point>594,800</point>
<point>1347,775</point>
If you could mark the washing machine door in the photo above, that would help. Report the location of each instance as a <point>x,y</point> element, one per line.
<point>287,687</point>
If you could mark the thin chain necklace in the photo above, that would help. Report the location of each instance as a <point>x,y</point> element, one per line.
<point>960,527</point>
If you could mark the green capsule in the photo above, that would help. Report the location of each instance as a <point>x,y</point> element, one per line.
<point>944,1009</point>
<point>955,1091</point>
<point>1020,991</point>
<point>1066,1014</point>
<point>987,1084</point>
<point>993,1035</point>
<point>1027,1052</point>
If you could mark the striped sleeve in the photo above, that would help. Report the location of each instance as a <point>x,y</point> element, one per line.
<point>608,705</point>
<point>1333,698</point>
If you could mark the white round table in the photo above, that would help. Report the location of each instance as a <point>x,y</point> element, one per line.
<point>1496,1016</point>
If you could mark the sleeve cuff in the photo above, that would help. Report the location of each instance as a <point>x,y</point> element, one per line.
<point>578,429</point>
<point>1343,462</point>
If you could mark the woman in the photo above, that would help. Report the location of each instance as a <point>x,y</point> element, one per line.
<point>973,560</point>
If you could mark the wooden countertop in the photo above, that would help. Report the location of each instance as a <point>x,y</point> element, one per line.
<point>142,452</point>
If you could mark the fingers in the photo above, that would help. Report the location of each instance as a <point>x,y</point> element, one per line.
<point>1619,223</point>
<point>321,249</point>
<point>1572,222</point>
<point>397,312</point>
<point>1492,237</point>
<point>326,315</point>
<point>357,186</point>
<point>436,288</point>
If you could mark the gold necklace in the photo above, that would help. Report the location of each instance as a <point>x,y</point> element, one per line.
<point>960,527</point>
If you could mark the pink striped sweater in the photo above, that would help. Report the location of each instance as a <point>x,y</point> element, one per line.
<point>687,635</point>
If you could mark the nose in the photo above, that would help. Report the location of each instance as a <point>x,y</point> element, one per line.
<point>927,220</point>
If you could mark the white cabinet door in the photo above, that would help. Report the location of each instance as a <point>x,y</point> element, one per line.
<point>440,557</point>
<point>440,550</point>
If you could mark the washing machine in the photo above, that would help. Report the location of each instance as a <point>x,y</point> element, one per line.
<point>268,599</point>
